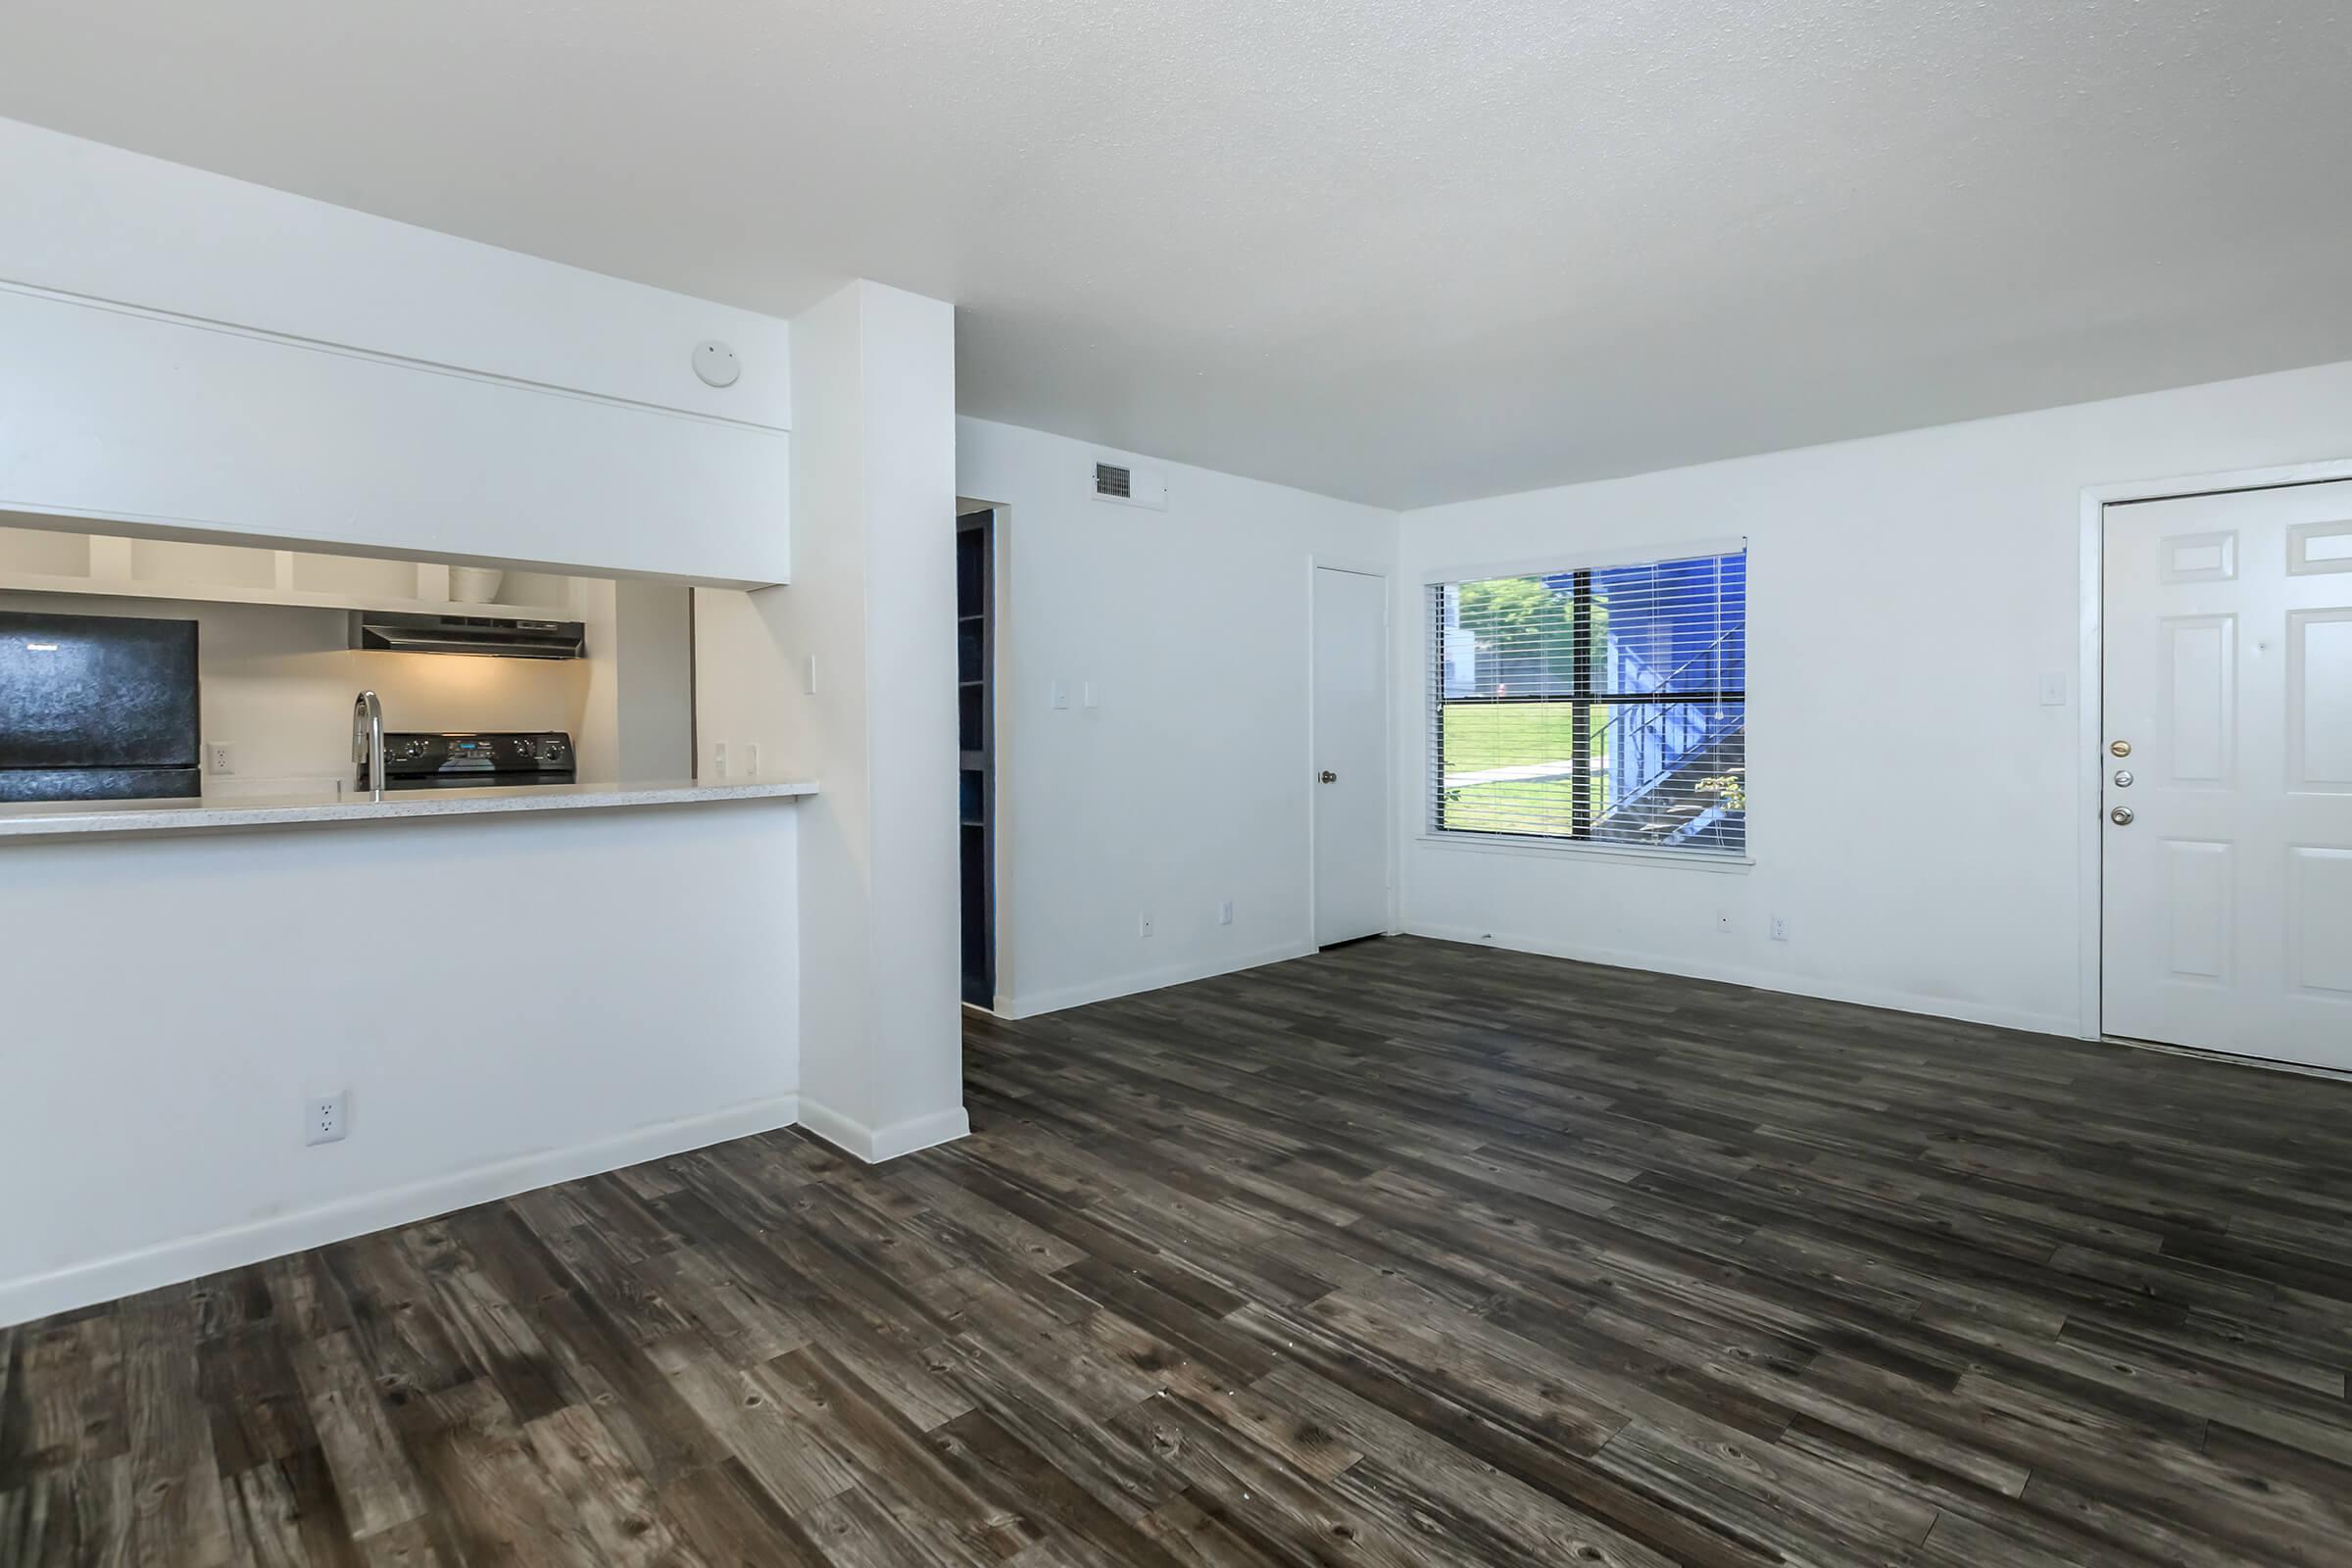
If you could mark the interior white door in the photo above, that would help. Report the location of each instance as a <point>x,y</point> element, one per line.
<point>1351,755</point>
<point>2226,811</point>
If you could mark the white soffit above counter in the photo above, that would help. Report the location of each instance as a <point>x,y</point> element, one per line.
<point>192,356</point>
<point>116,227</point>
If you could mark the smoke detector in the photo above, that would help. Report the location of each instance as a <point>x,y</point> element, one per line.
<point>715,362</point>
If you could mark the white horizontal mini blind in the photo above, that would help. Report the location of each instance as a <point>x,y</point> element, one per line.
<point>1603,705</point>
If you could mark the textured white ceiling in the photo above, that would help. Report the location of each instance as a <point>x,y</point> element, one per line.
<point>1397,250</point>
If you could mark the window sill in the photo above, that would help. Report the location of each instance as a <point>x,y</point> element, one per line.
<point>1506,843</point>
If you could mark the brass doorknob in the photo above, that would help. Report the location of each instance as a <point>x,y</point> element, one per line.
<point>1329,778</point>
<point>2121,747</point>
<point>2120,816</point>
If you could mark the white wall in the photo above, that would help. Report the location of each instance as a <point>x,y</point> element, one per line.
<point>170,1003</point>
<point>193,353</point>
<point>1189,784</point>
<point>1913,805</point>
<point>277,685</point>
<point>654,667</point>
<point>872,602</point>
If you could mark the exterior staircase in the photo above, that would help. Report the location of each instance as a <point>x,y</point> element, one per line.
<point>1695,797</point>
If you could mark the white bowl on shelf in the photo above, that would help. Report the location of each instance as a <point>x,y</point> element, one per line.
<point>475,585</point>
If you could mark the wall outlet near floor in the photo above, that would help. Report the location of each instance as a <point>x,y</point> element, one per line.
<point>218,759</point>
<point>1225,913</point>
<point>326,1117</point>
<point>1779,928</point>
<point>750,761</point>
<point>1143,925</point>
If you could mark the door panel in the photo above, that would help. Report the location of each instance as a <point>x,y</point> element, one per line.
<point>1351,755</point>
<point>2320,936</point>
<point>2199,879</point>
<point>2200,710</point>
<point>2319,672</point>
<point>2226,828</point>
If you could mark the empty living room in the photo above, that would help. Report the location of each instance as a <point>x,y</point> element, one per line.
<point>1075,784</point>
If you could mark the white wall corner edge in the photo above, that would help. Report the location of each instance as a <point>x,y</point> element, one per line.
<point>1958,1008</point>
<point>1036,1003</point>
<point>186,1258</point>
<point>876,1145</point>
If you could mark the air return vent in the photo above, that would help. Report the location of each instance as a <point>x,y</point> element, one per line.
<point>1130,487</point>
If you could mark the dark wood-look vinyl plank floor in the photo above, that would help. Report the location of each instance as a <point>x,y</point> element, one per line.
<point>1406,1254</point>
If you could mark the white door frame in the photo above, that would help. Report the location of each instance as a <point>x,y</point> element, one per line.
<point>2090,682</point>
<point>1362,567</point>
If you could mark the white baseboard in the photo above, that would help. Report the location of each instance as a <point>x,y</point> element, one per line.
<point>1035,1002</point>
<point>233,1247</point>
<point>874,1145</point>
<point>1796,985</point>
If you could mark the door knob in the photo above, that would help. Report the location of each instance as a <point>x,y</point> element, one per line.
<point>1329,778</point>
<point>2120,816</point>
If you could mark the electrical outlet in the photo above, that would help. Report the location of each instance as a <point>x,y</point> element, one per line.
<point>1779,928</point>
<point>326,1117</point>
<point>1143,925</point>
<point>718,760</point>
<point>1723,921</point>
<point>750,761</point>
<point>1225,913</point>
<point>218,759</point>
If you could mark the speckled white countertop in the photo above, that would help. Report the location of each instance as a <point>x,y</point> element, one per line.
<point>113,818</point>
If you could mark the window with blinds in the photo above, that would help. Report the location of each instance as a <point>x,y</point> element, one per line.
<point>1603,706</point>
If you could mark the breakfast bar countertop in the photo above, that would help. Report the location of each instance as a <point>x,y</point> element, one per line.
<point>47,819</point>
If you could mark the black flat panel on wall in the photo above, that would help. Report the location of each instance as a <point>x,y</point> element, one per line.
<point>97,692</point>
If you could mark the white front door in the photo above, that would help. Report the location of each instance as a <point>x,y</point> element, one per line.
<point>2227,810</point>
<point>1351,755</point>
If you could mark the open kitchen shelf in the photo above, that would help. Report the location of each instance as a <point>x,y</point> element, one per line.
<point>42,560</point>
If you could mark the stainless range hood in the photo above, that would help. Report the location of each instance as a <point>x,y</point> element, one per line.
<point>403,632</point>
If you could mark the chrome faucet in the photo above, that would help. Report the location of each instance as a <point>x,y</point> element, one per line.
<point>367,742</point>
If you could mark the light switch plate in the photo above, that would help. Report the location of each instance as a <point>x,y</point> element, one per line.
<point>1061,694</point>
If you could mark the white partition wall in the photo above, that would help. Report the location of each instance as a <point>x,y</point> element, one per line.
<point>173,1002</point>
<point>847,676</point>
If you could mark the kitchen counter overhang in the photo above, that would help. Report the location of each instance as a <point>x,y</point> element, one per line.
<point>120,818</point>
